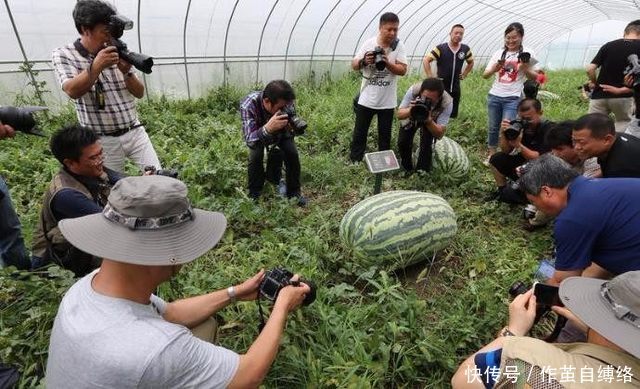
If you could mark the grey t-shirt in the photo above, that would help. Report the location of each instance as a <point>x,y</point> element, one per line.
<point>104,342</point>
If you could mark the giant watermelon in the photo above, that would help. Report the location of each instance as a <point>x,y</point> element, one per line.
<point>398,228</point>
<point>450,159</point>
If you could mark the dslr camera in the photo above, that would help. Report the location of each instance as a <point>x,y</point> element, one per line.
<point>161,172</point>
<point>277,278</point>
<point>117,25</point>
<point>297,124</point>
<point>421,110</point>
<point>21,118</point>
<point>633,69</point>
<point>378,55</point>
<point>524,57</point>
<point>515,128</point>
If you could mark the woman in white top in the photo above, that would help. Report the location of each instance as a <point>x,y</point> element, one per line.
<point>510,66</point>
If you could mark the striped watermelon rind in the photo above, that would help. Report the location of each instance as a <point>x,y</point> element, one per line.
<point>450,159</point>
<point>398,228</point>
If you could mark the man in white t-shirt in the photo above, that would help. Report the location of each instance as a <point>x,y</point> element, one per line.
<point>378,92</point>
<point>111,331</point>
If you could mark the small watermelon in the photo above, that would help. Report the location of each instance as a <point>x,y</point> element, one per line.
<point>396,229</point>
<point>450,159</point>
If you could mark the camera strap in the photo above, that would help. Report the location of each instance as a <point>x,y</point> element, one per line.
<point>262,322</point>
<point>98,92</point>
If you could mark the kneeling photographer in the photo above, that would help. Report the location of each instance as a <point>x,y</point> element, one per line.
<point>521,140</point>
<point>605,311</point>
<point>112,330</point>
<point>269,121</point>
<point>81,187</point>
<point>425,107</point>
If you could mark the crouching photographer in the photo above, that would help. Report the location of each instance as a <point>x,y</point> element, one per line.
<point>521,140</point>
<point>269,121</point>
<point>80,187</point>
<point>113,312</point>
<point>425,107</point>
<point>606,311</point>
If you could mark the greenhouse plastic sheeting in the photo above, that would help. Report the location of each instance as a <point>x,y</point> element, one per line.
<point>199,44</point>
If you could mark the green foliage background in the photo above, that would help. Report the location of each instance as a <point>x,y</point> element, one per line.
<point>367,328</point>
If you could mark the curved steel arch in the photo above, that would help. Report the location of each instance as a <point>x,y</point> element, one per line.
<point>264,26</point>
<point>144,76</point>
<point>413,53</point>
<point>355,49</point>
<point>24,54</point>
<point>429,45</point>
<point>295,24</point>
<point>335,46</point>
<point>414,28</point>
<point>313,48</point>
<point>184,48</point>
<point>226,37</point>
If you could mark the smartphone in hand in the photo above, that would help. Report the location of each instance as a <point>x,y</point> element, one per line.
<point>547,295</point>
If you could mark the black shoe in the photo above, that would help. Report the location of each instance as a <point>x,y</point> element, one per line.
<point>493,196</point>
<point>301,200</point>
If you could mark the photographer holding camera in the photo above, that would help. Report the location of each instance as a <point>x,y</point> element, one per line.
<point>112,331</point>
<point>521,140</point>
<point>425,107</point>
<point>80,188</point>
<point>609,94</point>
<point>269,121</point>
<point>12,250</point>
<point>597,227</point>
<point>381,59</point>
<point>511,65</point>
<point>450,57</point>
<point>93,72</point>
<point>607,312</point>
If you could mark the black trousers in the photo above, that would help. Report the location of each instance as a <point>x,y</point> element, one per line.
<point>282,151</point>
<point>506,164</point>
<point>405,147</point>
<point>455,94</point>
<point>364,115</point>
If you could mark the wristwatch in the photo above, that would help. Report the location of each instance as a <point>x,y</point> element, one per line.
<point>505,332</point>
<point>231,292</point>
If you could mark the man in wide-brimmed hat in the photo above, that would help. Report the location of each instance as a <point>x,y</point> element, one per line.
<point>609,314</point>
<point>112,331</point>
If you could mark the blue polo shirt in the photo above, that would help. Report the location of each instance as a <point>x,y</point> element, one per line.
<point>601,223</point>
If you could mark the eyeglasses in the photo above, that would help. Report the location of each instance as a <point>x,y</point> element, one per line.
<point>622,312</point>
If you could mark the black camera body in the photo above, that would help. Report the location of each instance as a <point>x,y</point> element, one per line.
<point>378,55</point>
<point>297,124</point>
<point>515,128</point>
<point>117,25</point>
<point>524,57</point>
<point>161,172</point>
<point>276,279</point>
<point>421,110</point>
<point>21,118</point>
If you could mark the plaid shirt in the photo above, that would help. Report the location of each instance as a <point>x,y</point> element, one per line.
<point>254,117</point>
<point>120,108</point>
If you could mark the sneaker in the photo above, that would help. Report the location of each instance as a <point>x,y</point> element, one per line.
<point>282,188</point>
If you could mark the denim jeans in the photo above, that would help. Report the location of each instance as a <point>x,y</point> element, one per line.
<point>500,108</point>
<point>12,250</point>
